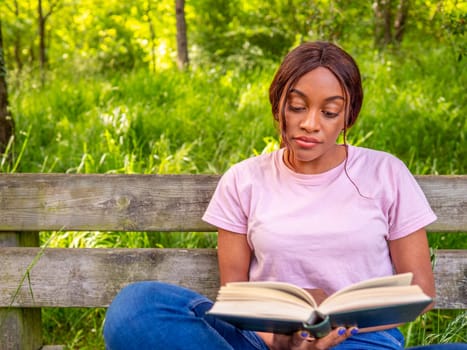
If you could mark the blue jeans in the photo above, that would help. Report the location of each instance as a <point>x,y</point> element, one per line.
<point>155,315</point>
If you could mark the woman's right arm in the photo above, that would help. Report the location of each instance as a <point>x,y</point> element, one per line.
<point>234,256</point>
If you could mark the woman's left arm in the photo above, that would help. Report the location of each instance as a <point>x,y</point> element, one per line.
<point>412,254</point>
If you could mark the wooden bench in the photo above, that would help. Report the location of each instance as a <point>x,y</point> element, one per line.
<point>33,277</point>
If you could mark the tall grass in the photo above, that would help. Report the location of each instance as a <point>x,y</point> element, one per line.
<point>415,106</point>
<point>171,122</point>
<point>204,121</point>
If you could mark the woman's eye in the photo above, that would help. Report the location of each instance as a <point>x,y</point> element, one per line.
<point>296,108</point>
<point>328,114</point>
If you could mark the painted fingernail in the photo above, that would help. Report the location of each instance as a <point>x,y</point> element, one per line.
<point>304,334</point>
<point>341,331</point>
<point>354,331</point>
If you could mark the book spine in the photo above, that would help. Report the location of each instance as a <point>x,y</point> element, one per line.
<point>318,329</point>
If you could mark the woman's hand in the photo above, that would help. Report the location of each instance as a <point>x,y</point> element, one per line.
<point>303,341</point>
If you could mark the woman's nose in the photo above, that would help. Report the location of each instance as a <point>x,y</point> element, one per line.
<point>310,121</point>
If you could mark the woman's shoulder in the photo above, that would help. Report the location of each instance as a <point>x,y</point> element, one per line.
<point>377,168</point>
<point>256,164</point>
<point>251,172</point>
<point>378,174</point>
<point>368,157</point>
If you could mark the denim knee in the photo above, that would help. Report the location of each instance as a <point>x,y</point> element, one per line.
<point>390,339</point>
<point>156,298</point>
<point>155,315</point>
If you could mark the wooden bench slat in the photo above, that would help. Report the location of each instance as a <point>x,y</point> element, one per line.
<point>92,277</point>
<point>96,202</point>
<point>450,270</point>
<point>447,195</point>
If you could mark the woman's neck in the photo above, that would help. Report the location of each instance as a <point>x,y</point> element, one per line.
<point>316,166</point>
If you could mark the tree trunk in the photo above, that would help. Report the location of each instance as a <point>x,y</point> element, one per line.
<point>42,53</point>
<point>401,18</point>
<point>153,37</point>
<point>383,23</point>
<point>182,46</point>
<point>19,61</point>
<point>17,41</point>
<point>390,21</point>
<point>6,121</point>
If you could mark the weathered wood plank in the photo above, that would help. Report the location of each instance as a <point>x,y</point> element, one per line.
<point>97,202</point>
<point>448,198</point>
<point>20,329</point>
<point>92,277</point>
<point>450,270</point>
<point>104,202</point>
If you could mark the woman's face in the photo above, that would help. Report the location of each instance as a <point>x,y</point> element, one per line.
<point>314,116</point>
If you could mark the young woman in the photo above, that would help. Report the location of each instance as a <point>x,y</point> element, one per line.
<point>315,213</point>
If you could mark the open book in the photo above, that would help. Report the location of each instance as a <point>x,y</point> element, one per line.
<point>284,308</point>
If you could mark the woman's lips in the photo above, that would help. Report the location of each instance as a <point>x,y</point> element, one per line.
<point>306,142</point>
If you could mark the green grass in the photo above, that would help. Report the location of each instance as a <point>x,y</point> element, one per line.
<point>75,328</point>
<point>172,122</point>
<point>415,108</point>
<point>206,120</point>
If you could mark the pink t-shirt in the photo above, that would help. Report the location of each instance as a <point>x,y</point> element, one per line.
<point>319,231</point>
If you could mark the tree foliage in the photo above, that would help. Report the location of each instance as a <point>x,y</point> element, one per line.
<point>123,35</point>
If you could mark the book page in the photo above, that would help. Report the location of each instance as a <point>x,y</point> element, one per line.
<point>402,279</point>
<point>283,287</point>
<point>374,297</point>
<point>262,309</point>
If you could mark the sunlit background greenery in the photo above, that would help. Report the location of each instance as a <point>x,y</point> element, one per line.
<point>111,99</point>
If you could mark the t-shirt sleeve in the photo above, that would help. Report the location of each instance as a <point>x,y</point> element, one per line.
<point>225,210</point>
<point>410,210</point>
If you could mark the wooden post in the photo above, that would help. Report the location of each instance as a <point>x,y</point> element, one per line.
<point>20,328</point>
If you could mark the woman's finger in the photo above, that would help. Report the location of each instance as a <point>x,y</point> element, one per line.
<point>298,338</point>
<point>335,337</point>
